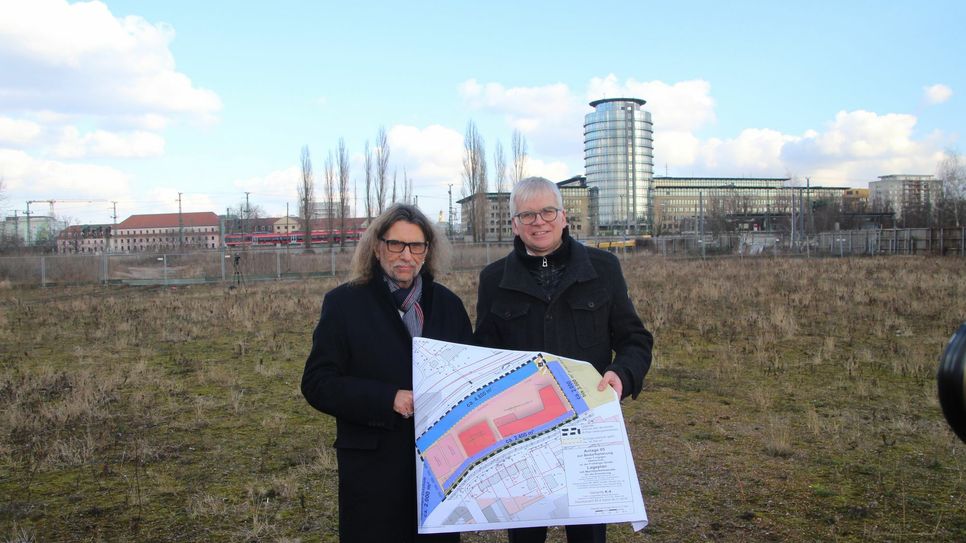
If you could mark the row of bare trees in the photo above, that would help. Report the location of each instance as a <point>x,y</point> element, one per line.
<point>377,169</point>
<point>335,180</point>
<point>476,182</point>
<point>335,188</point>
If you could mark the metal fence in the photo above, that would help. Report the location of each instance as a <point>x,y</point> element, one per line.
<point>205,266</point>
<point>283,263</point>
<point>892,241</point>
<point>905,241</point>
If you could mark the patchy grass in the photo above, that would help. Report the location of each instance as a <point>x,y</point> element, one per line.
<point>790,400</point>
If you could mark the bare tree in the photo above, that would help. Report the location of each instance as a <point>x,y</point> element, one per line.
<point>4,235</point>
<point>246,216</point>
<point>474,180</point>
<point>330,197</point>
<point>368,165</point>
<point>306,191</point>
<point>499,177</point>
<point>519,150</point>
<point>342,157</point>
<point>382,167</point>
<point>952,203</point>
<point>394,175</point>
<point>408,196</point>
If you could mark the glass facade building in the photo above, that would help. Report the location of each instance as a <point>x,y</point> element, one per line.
<point>619,164</point>
<point>679,202</point>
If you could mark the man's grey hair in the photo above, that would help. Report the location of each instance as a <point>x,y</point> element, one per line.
<point>364,261</point>
<point>530,188</point>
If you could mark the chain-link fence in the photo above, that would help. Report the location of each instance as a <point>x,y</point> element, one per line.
<point>893,241</point>
<point>286,263</point>
<point>207,266</point>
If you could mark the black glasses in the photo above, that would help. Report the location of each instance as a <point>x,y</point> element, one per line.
<point>548,214</point>
<point>415,247</point>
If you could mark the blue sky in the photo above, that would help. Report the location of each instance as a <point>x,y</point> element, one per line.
<point>136,101</point>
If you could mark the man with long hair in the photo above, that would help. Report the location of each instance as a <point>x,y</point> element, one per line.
<point>360,370</point>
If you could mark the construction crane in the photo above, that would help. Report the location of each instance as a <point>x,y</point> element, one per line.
<point>51,203</point>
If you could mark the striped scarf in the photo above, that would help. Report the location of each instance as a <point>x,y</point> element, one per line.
<point>407,302</point>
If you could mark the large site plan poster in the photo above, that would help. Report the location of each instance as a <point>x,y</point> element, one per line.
<point>508,439</point>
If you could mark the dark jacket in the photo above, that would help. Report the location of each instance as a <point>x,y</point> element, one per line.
<point>361,356</point>
<point>589,316</point>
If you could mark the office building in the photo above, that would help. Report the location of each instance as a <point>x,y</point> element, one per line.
<point>907,196</point>
<point>619,164</point>
<point>680,203</point>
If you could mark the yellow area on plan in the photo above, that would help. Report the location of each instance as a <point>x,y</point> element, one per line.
<point>587,378</point>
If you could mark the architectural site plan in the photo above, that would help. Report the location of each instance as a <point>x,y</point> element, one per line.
<point>509,439</point>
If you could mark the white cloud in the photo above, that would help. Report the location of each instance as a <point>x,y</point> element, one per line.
<point>682,106</point>
<point>79,83</point>
<point>17,132</point>
<point>279,185</point>
<point>101,144</point>
<point>754,151</point>
<point>553,170</point>
<point>675,148</point>
<point>861,144</point>
<point>36,179</point>
<point>534,105</point>
<point>852,148</point>
<point>937,94</point>
<point>550,116</point>
<point>78,59</point>
<point>867,134</point>
<point>431,156</point>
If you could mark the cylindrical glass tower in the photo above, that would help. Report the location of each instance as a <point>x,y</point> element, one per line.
<point>619,162</point>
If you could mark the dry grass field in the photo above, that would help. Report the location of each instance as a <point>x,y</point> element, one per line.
<point>789,400</point>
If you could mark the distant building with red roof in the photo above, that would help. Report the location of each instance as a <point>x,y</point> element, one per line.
<point>84,238</point>
<point>167,231</point>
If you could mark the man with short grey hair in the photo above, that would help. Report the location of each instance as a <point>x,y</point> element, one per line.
<point>555,295</point>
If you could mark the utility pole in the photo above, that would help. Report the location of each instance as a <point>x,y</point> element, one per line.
<point>248,214</point>
<point>808,222</point>
<point>811,214</point>
<point>113,229</point>
<point>28,223</point>
<point>701,207</point>
<point>180,225</point>
<point>450,211</point>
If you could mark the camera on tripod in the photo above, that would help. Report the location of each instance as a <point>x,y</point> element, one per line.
<point>951,383</point>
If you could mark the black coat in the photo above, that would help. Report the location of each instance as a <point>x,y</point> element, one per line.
<point>589,316</point>
<point>361,356</point>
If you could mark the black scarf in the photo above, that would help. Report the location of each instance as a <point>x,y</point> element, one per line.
<point>548,270</point>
